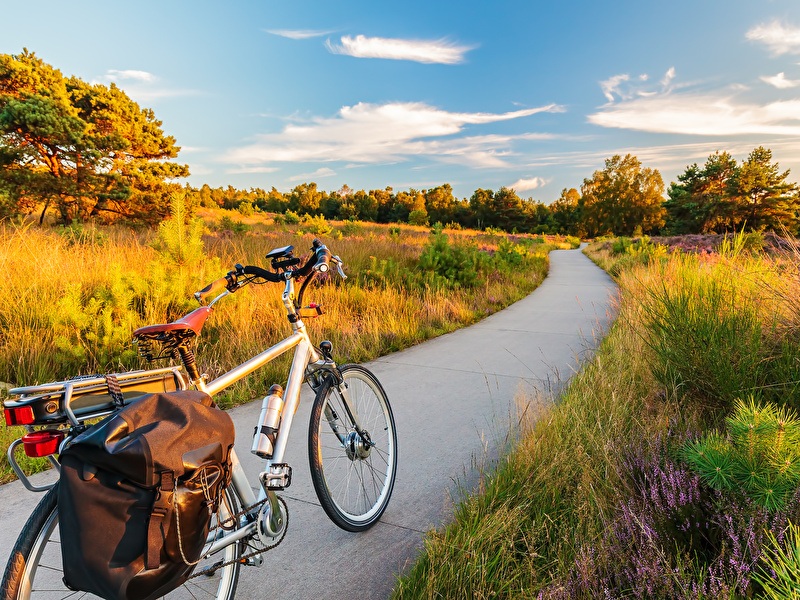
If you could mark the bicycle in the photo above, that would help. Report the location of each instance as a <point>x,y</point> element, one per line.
<point>352,442</point>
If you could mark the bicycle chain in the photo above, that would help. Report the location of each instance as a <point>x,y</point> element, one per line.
<point>214,568</point>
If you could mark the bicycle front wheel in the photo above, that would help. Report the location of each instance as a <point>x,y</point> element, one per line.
<point>35,569</point>
<point>352,449</point>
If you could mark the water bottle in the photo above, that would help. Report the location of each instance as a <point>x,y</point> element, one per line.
<point>269,422</point>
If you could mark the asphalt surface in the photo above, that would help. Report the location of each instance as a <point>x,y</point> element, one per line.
<point>453,399</point>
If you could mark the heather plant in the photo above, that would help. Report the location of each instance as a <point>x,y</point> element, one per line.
<point>779,574</point>
<point>671,536</point>
<point>759,457</point>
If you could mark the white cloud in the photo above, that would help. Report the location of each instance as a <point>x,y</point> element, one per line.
<point>611,86</point>
<point>621,86</point>
<point>423,51</point>
<point>384,133</point>
<point>298,34</point>
<point>141,86</point>
<point>126,75</point>
<point>779,38</point>
<point>779,81</point>
<point>668,77</point>
<point>531,183</point>
<point>318,174</point>
<point>251,169</point>
<point>701,114</point>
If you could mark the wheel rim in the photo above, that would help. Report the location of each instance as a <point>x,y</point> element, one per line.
<point>43,575</point>
<point>358,472</point>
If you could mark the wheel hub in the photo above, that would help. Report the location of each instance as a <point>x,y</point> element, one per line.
<point>356,446</point>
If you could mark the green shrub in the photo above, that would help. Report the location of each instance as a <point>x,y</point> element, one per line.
<point>227,223</point>
<point>759,457</point>
<point>418,217</point>
<point>245,208</point>
<point>449,265</point>
<point>316,225</point>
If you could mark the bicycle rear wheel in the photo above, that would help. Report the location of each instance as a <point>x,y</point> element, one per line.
<point>35,570</point>
<point>353,471</point>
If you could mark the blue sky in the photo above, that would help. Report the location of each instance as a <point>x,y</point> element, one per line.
<point>525,94</point>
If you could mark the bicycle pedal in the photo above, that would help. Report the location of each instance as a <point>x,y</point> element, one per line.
<point>278,478</point>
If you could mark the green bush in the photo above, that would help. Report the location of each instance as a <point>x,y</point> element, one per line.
<point>316,225</point>
<point>759,457</point>
<point>449,265</point>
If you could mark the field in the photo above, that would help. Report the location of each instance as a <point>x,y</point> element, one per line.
<point>72,296</point>
<point>669,468</point>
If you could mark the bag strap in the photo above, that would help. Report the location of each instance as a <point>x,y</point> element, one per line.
<point>156,530</point>
<point>114,390</point>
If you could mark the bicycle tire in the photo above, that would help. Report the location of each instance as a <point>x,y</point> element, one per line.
<point>353,479</point>
<point>35,570</point>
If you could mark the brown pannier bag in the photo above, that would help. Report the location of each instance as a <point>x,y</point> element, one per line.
<point>137,492</point>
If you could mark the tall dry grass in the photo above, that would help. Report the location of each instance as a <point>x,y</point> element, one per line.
<point>544,520</point>
<point>72,297</point>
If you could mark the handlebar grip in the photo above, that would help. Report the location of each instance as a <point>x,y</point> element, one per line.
<point>263,273</point>
<point>211,290</point>
<point>323,263</point>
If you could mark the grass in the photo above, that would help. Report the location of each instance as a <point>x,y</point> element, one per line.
<point>72,297</point>
<point>590,501</point>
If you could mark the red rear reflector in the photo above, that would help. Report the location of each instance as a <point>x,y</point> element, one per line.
<point>22,415</point>
<point>42,443</point>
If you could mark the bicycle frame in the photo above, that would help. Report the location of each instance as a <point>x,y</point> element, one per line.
<point>306,362</point>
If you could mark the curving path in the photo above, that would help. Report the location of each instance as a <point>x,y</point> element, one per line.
<point>452,398</point>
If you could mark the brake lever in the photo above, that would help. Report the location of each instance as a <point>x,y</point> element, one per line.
<point>338,262</point>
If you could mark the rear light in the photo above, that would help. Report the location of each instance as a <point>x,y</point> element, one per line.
<point>22,415</point>
<point>42,443</point>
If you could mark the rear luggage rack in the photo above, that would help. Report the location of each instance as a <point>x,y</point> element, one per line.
<point>68,403</point>
<point>91,396</point>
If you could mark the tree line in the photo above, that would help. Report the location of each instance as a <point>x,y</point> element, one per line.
<point>87,151</point>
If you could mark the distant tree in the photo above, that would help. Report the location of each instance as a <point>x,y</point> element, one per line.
<point>481,204</point>
<point>701,202</point>
<point>763,197</point>
<point>87,150</point>
<point>402,205</point>
<point>508,210</point>
<point>566,211</point>
<point>306,199</point>
<point>384,199</point>
<point>623,198</point>
<point>418,214</point>
<point>440,204</point>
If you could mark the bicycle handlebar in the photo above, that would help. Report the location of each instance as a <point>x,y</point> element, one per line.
<point>319,262</point>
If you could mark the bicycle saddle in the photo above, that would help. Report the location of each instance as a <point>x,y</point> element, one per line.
<point>187,326</point>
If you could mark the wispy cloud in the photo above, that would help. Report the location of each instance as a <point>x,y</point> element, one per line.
<point>531,183</point>
<point>702,114</point>
<point>714,113</point>
<point>383,133</point>
<point>128,75</point>
<point>779,38</point>
<point>422,51</point>
<point>625,88</point>
<point>779,81</point>
<point>318,174</point>
<point>141,86</point>
<point>250,169</point>
<point>298,34</point>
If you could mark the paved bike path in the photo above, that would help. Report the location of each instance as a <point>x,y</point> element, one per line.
<point>452,398</point>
